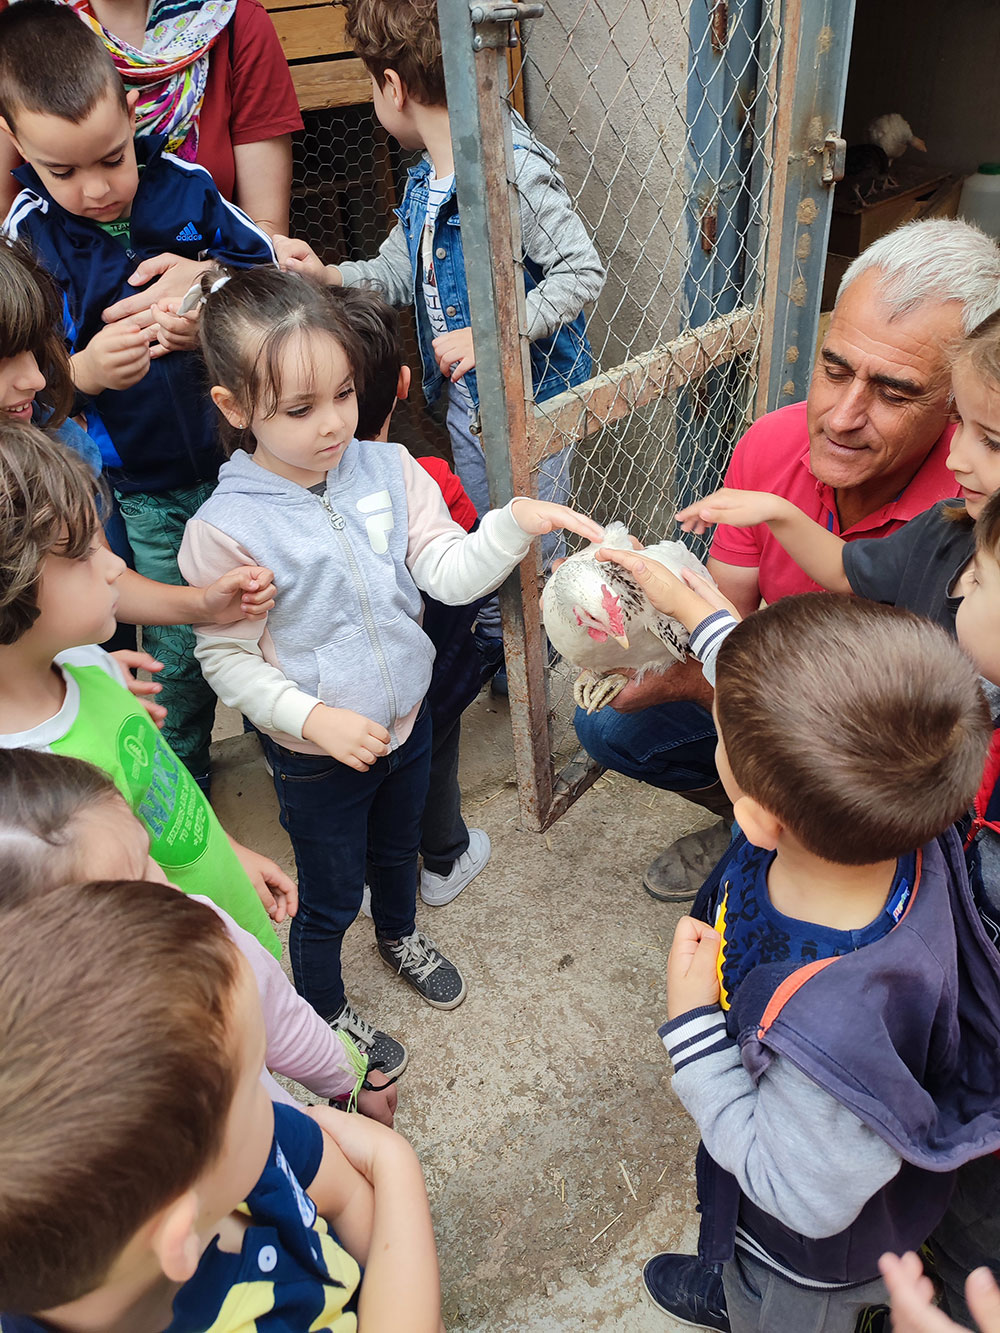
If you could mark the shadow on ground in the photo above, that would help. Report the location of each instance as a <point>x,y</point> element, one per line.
<point>556,1157</point>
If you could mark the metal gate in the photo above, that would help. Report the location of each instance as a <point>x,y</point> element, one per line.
<point>694,137</point>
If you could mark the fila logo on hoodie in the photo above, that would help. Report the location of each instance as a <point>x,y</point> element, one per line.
<point>380,522</point>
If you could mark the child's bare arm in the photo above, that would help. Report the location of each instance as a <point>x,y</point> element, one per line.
<point>244,592</point>
<point>402,1288</point>
<point>817,552</point>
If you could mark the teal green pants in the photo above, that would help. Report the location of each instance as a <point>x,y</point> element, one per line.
<point>155,526</point>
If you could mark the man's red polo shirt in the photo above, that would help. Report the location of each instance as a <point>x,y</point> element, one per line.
<point>774,456</point>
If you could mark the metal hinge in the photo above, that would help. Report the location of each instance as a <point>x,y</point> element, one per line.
<point>834,158</point>
<point>494,23</point>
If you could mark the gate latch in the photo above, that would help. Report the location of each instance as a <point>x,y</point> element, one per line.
<point>494,23</point>
<point>834,158</point>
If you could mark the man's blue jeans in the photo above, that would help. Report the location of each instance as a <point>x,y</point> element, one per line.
<point>670,745</point>
<point>345,825</point>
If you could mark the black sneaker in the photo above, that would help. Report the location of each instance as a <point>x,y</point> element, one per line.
<point>383,1052</point>
<point>418,961</point>
<point>682,1286</point>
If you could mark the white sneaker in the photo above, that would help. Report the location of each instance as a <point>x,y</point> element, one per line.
<point>366,901</point>
<point>436,890</point>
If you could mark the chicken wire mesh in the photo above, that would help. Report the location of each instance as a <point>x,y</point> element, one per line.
<point>661,114</point>
<point>347,178</point>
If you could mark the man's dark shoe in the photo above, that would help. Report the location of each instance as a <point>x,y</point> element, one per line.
<point>691,1292</point>
<point>679,872</point>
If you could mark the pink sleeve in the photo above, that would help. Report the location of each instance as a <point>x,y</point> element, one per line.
<point>300,1045</point>
<point>737,546</point>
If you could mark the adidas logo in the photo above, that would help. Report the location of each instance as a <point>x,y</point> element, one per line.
<point>189,232</point>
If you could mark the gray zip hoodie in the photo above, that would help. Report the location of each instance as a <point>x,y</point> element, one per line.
<point>348,565</point>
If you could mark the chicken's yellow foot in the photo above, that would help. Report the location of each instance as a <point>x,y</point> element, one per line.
<point>593,692</point>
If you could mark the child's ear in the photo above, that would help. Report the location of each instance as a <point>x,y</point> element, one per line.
<point>394,89</point>
<point>10,134</point>
<point>759,825</point>
<point>175,1240</point>
<point>228,406</point>
<point>131,99</point>
<point>403,383</point>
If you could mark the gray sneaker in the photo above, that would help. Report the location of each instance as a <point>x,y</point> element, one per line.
<point>417,960</point>
<point>383,1052</point>
<point>679,872</point>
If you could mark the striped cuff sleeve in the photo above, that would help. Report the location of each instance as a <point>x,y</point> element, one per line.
<point>694,1035</point>
<point>707,636</point>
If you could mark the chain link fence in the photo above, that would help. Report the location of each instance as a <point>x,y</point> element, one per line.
<point>661,113</point>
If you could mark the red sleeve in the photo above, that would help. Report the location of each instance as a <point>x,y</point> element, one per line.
<point>460,507</point>
<point>264,104</point>
<point>737,546</point>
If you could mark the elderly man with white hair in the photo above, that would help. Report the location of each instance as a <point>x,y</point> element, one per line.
<point>863,454</point>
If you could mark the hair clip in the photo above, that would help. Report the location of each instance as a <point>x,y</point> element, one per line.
<point>196,294</point>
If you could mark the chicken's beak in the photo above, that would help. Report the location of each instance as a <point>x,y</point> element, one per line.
<point>622,639</point>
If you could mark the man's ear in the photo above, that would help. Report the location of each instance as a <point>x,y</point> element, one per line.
<point>175,1240</point>
<point>403,383</point>
<point>131,99</point>
<point>228,406</point>
<point>761,827</point>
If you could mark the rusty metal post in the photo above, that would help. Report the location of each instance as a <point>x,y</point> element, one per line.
<point>812,81</point>
<point>477,84</point>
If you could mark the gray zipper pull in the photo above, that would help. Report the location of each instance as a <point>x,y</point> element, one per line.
<point>337,521</point>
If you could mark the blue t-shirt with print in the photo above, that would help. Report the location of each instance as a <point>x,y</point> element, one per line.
<point>754,932</point>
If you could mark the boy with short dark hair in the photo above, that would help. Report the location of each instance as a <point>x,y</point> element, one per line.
<point>96,202</point>
<point>831,1034</point>
<point>422,261</point>
<point>160,1189</point>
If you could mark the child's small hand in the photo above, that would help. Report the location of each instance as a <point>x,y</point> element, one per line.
<point>350,738</point>
<point>912,1295</point>
<point>298,257</point>
<point>245,593</point>
<point>740,509</point>
<point>174,332</point>
<point>378,1103</point>
<point>455,353</point>
<point>692,967</point>
<point>537,517</point>
<point>129,660</point>
<point>115,358</point>
<point>278,893</point>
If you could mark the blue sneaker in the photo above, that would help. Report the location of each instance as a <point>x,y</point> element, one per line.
<point>691,1292</point>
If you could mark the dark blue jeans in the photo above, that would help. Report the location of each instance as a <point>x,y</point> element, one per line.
<point>670,745</point>
<point>343,825</point>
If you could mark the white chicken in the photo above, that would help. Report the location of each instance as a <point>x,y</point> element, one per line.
<point>893,135</point>
<point>598,618</point>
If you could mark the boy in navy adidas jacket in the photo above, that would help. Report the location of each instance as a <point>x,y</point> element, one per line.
<point>96,203</point>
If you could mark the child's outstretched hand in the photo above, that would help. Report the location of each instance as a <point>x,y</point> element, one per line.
<point>537,517</point>
<point>912,1295</point>
<point>688,599</point>
<point>350,738</point>
<point>455,353</point>
<point>692,967</point>
<point>298,257</point>
<point>144,690</point>
<point>245,593</point>
<point>740,509</point>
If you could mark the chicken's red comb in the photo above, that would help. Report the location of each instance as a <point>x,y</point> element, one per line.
<point>612,606</point>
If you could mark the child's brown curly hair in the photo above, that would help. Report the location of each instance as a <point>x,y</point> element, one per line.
<point>402,35</point>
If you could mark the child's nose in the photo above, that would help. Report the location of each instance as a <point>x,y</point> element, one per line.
<point>27,376</point>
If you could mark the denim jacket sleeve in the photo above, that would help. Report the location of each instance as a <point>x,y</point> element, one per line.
<point>390,272</point>
<point>555,238</point>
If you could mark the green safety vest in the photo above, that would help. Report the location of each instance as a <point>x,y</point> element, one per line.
<point>113,731</point>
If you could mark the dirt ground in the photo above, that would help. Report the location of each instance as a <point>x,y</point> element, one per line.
<point>557,1158</point>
